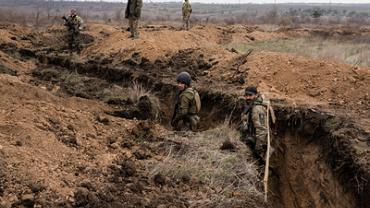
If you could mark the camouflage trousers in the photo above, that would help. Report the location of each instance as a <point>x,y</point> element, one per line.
<point>189,123</point>
<point>186,20</point>
<point>74,41</point>
<point>134,24</point>
<point>258,146</point>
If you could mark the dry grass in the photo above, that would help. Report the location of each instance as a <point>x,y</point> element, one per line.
<point>136,91</point>
<point>351,52</point>
<point>226,172</point>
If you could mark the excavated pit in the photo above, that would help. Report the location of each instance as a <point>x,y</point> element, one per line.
<point>316,161</point>
<point>314,164</point>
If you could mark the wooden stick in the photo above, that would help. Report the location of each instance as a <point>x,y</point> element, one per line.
<point>266,176</point>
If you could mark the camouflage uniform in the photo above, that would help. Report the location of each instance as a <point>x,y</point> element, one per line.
<point>74,23</point>
<point>186,11</point>
<point>133,14</point>
<point>254,126</point>
<point>185,116</point>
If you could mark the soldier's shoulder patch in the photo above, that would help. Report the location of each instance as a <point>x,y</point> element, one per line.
<point>262,118</point>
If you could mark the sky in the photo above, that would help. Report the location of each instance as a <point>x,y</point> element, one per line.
<point>260,1</point>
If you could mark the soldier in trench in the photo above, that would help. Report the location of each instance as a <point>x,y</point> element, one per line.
<point>187,105</point>
<point>254,126</point>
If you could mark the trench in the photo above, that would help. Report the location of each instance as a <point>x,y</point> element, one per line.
<point>314,162</point>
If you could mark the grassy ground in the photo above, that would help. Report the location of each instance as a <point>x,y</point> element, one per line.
<point>350,52</point>
<point>227,172</point>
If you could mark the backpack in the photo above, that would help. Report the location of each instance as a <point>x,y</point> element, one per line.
<point>198,103</point>
<point>197,99</point>
<point>269,109</point>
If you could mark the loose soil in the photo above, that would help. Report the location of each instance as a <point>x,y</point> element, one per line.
<point>71,136</point>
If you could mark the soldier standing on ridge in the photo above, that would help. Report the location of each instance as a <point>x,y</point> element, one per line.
<point>187,105</point>
<point>186,11</point>
<point>133,14</point>
<point>74,24</point>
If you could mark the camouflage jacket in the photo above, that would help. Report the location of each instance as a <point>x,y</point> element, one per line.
<point>133,9</point>
<point>74,23</point>
<point>186,9</point>
<point>185,104</point>
<point>254,119</point>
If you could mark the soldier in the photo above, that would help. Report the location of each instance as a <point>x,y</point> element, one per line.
<point>186,11</point>
<point>187,105</point>
<point>74,24</point>
<point>254,127</point>
<point>133,13</point>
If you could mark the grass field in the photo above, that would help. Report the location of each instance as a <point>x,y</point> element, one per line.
<point>350,52</point>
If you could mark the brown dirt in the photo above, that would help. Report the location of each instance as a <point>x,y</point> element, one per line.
<point>154,43</point>
<point>306,183</point>
<point>298,80</point>
<point>63,151</point>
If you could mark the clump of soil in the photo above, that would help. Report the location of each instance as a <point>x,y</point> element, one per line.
<point>5,70</point>
<point>228,145</point>
<point>144,109</point>
<point>143,131</point>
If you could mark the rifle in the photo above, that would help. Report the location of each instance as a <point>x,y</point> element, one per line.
<point>174,115</point>
<point>69,23</point>
<point>175,110</point>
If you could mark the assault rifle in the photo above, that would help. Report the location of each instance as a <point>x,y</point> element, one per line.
<point>69,23</point>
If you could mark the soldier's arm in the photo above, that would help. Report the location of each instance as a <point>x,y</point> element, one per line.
<point>244,117</point>
<point>66,21</point>
<point>127,9</point>
<point>185,100</point>
<point>243,126</point>
<point>259,122</point>
<point>183,108</point>
<point>80,21</point>
<point>139,4</point>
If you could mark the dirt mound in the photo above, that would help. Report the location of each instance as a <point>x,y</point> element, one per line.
<point>67,152</point>
<point>300,80</point>
<point>158,43</point>
<point>281,76</point>
<point>44,139</point>
<point>341,31</point>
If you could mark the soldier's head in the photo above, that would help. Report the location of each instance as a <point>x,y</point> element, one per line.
<point>73,12</point>
<point>183,80</point>
<point>250,93</point>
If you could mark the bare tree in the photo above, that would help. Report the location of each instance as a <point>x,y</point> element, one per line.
<point>37,15</point>
<point>118,15</point>
<point>48,8</point>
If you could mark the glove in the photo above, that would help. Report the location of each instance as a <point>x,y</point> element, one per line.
<point>243,127</point>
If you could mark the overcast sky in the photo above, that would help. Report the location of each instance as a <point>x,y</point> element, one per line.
<point>261,1</point>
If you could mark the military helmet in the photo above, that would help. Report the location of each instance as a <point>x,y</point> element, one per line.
<point>251,90</point>
<point>184,77</point>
